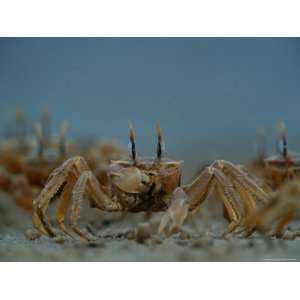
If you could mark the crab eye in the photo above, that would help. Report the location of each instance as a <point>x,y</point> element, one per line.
<point>282,144</point>
<point>282,147</point>
<point>130,149</point>
<point>131,145</point>
<point>162,148</point>
<point>160,144</point>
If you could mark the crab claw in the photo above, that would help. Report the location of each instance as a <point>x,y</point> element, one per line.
<point>176,213</point>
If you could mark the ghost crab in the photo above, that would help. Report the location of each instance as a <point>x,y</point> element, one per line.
<point>143,184</point>
<point>24,174</point>
<point>277,169</point>
<point>282,207</point>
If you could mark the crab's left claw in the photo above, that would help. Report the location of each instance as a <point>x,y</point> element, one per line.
<point>176,213</point>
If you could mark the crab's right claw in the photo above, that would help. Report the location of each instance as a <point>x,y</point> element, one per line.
<point>176,213</point>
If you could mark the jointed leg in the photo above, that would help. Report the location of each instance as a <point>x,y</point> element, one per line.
<point>278,232</point>
<point>57,179</point>
<point>197,192</point>
<point>248,201</point>
<point>64,202</point>
<point>245,186</point>
<point>199,189</point>
<point>238,175</point>
<point>233,213</point>
<point>250,208</point>
<point>88,185</point>
<point>237,190</point>
<point>230,197</point>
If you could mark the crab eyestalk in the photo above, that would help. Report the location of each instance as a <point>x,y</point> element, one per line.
<point>160,146</point>
<point>21,128</point>
<point>282,138</point>
<point>132,150</point>
<point>46,125</point>
<point>260,144</point>
<point>40,140</point>
<point>62,142</point>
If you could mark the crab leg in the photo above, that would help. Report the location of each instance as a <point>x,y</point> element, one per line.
<point>225,190</point>
<point>64,204</point>
<point>248,200</point>
<point>187,198</point>
<point>57,179</point>
<point>244,180</point>
<point>199,189</point>
<point>250,208</point>
<point>231,199</point>
<point>197,192</point>
<point>89,185</point>
<point>286,218</point>
<point>232,212</point>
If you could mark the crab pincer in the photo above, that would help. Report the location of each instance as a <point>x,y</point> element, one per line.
<point>176,213</point>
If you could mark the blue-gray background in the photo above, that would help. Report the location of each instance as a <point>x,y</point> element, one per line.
<point>210,95</point>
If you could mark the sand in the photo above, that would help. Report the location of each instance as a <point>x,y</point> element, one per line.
<point>121,237</point>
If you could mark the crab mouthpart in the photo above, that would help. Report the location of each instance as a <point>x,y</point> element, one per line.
<point>131,180</point>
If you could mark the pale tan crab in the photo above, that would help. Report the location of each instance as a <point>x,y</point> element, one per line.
<point>283,206</point>
<point>142,185</point>
<point>275,170</point>
<point>24,174</point>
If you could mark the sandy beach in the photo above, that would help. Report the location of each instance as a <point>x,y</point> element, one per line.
<point>133,237</point>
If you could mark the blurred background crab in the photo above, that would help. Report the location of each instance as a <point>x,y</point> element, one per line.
<point>26,160</point>
<point>278,175</point>
<point>100,154</point>
<point>282,207</point>
<point>268,172</point>
<point>275,170</point>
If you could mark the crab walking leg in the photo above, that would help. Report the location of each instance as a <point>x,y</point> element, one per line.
<point>285,219</point>
<point>247,198</point>
<point>88,185</point>
<point>246,182</point>
<point>75,166</point>
<point>230,199</point>
<point>213,177</point>
<point>64,202</point>
<point>263,217</point>
<point>258,220</point>
<point>233,214</point>
<point>250,208</point>
<point>199,189</point>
